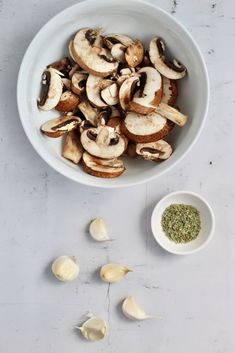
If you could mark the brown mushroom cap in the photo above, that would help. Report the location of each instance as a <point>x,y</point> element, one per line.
<point>68,102</point>
<point>78,82</point>
<point>102,168</point>
<point>145,128</point>
<point>103,142</point>
<point>127,90</point>
<point>173,70</point>
<point>88,52</point>
<point>134,54</point>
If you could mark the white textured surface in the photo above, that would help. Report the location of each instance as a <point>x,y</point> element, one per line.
<point>43,215</point>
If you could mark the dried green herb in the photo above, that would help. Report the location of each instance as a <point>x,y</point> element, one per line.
<point>181,223</point>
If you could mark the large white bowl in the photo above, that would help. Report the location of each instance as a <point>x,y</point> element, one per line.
<point>140,20</point>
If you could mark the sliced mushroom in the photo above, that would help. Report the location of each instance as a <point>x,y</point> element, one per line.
<point>170,91</point>
<point>68,102</point>
<point>59,126</point>
<point>94,85</point>
<point>88,52</point>
<point>172,114</point>
<point>131,150</point>
<point>103,142</point>
<point>124,74</point>
<point>110,94</point>
<point>149,95</point>
<point>173,70</point>
<point>70,49</point>
<point>112,39</point>
<point>127,91</point>
<point>115,113</point>
<point>154,151</point>
<point>145,128</point>
<point>78,82</point>
<point>74,69</point>
<point>72,148</point>
<point>52,89</point>
<point>118,52</point>
<point>63,65</point>
<point>89,112</point>
<point>66,84</point>
<point>134,54</point>
<point>102,168</point>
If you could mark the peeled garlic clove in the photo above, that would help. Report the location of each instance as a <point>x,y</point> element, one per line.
<point>132,310</point>
<point>98,230</point>
<point>94,329</point>
<point>65,268</point>
<point>112,273</point>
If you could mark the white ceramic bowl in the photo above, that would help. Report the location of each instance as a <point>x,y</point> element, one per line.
<point>206,216</point>
<point>140,20</point>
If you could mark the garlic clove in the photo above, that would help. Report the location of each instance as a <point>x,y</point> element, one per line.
<point>132,310</point>
<point>98,230</point>
<point>65,268</point>
<point>94,329</point>
<point>112,273</point>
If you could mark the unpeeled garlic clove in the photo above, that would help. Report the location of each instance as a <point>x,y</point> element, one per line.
<point>93,329</point>
<point>132,310</point>
<point>65,268</point>
<point>98,230</point>
<point>112,273</point>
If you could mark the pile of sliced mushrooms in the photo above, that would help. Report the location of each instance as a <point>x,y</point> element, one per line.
<point>115,99</point>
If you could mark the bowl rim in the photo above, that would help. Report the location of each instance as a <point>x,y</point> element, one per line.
<point>47,158</point>
<point>210,235</point>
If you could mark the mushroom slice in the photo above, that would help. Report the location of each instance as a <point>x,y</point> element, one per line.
<point>102,168</point>
<point>145,128</point>
<point>127,91</point>
<point>88,52</point>
<point>66,83</point>
<point>110,94</point>
<point>172,114</point>
<point>103,142</point>
<point>131,150</point>
<point>59,126</point>
<point>149,95</point>
<point>78,82</point>
<point>112,39</point>
<point>154,151</point>
<point>170,91</point>
<point>70,49</point>
<point>93,90</point>
<point>68,102</point>
<point>134,54</point>
<point>74,69</point>
<point>89,112</point>
<point>52,89</point>
<point>124,74</point>
<point>72,148</point>
<point>173,70</point>
<point>115,113</point>
<point>63,65</point>
<point>118,52</point>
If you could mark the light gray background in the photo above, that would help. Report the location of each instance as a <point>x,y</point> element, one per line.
<point>43,215</point>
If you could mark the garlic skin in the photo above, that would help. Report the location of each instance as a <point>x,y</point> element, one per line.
<point>98,230</point>
<point>94,329</point>
<point>112,273</point>
<point>132,310</point>
<point>65,269</point>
